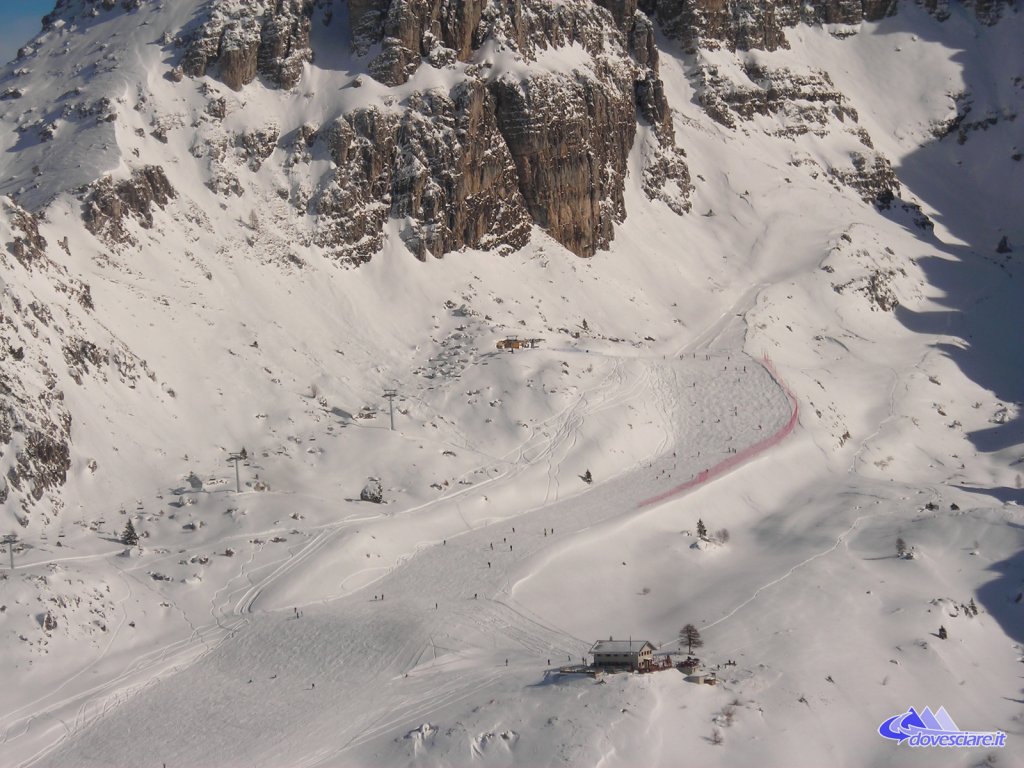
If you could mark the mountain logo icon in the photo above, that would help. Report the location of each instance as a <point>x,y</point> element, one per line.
<point>935,729</point>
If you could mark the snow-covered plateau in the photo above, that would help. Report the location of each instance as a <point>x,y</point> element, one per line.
<point>772,267</point>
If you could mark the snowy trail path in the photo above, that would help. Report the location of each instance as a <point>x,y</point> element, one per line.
<point>778,580</point>
<point>727,332</point>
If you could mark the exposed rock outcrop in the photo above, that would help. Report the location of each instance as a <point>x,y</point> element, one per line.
<point>987,11</point>
<point>48,338</point>
<point>65,9</point>
<point>473,166</point>
<point>798,104</point>
<point>256,37</point>
<point>27,245</point>
<point>110,203</point>
<point>622,11</point>
<point>410,29</point>
<point>354,205</point>
<point>966,121</point>
<point>871,175</point>
<point>761,24</point>
<point>257,145</point>
<point>804,102</point>
<point>373,491</point>
<point>35,426</point>
<point>455,177</point>
<point>711,24</point>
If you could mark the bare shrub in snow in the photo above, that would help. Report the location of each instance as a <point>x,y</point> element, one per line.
<point>725,716</point>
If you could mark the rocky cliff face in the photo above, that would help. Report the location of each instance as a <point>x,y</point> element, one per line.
<point>987,11</point>
<point>494,150</point>
<point>475,164</point>
<point>570,174</point>
<point>35,425</point>
<point>441,166</point>
<point>245,39</point>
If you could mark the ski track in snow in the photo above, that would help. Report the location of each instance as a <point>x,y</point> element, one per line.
<point>839,540</point>
<point>496,614</point>
<point>96,702</point>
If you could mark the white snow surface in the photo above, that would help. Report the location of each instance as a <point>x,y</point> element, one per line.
<point>343,633</point>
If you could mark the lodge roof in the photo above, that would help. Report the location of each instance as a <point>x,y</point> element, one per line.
<point>621,646</point>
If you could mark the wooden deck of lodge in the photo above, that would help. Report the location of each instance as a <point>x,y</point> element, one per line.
<point>596,670</point>
<point>580,669</point>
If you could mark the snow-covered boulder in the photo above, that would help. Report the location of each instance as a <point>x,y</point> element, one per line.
<point>373,491</point>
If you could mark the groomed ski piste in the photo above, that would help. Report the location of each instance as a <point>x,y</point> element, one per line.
<point>298,626</point>
<point>441,617</point>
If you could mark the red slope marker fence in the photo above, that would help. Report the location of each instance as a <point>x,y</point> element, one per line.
<point>747,453</point>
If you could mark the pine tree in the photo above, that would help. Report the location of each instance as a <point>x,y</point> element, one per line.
<point>702,530</point>
<point>973,607</point>
<point>691,637</point>
<point>901,547</point>
<point>129,537</point>
<point>942,633</point>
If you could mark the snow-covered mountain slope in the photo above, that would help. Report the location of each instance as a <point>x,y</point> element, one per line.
<point>220,232</point>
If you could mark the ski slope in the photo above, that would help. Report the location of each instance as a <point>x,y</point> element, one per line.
<point>443,550</point>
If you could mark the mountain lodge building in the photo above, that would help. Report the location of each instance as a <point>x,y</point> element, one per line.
<point>631,654</point>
